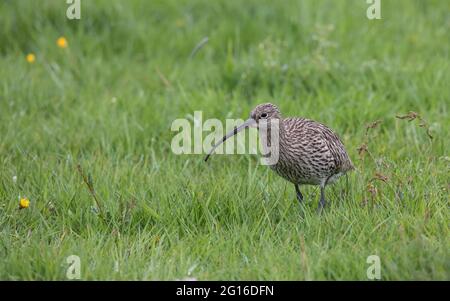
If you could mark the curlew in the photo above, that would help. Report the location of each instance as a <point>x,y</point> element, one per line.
<point>310,153</point>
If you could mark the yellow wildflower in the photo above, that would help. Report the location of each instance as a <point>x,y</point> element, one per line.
<point>180,23</point>
<point>24,203</point>
<point>62,42</point>
<point>30,58</point>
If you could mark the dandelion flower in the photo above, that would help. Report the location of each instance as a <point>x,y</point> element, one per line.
<point>61,42</point>
<point>30,58</point>
<point>24,203</point>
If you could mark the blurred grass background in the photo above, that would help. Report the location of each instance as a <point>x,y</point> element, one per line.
<point>108,100</point>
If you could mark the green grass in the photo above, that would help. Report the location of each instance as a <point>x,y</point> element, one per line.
<point>170,217</point>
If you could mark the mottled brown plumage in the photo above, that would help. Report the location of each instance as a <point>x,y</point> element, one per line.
<point>309,152</point>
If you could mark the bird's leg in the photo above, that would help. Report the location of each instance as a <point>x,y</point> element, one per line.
<point>322,201</point>
<point>299,194</point>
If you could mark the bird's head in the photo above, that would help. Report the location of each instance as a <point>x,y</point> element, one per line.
<point>265,111</point>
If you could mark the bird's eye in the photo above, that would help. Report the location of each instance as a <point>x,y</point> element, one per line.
<point>263,115</point>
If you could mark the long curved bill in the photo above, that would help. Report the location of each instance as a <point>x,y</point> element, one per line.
<point>248,123</point>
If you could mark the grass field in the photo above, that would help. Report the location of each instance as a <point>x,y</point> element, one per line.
<point>107,102</point>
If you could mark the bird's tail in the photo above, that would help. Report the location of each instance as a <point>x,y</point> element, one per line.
<point>348,165</point>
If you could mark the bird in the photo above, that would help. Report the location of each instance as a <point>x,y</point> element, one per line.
<point>310,153</point>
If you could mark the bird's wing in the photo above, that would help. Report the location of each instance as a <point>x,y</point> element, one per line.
<point>337,149</point>
<point>324,137</point>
